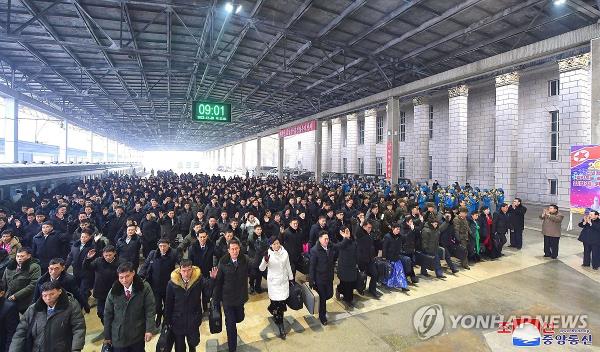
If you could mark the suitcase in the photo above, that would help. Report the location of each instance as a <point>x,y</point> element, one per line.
<point>304,266</point>
<point>310,298</point>
<point>361,282</point>
<point>384,269</point>
<point>215,319</point>
<point>295,300</point>
<point>425,260</point>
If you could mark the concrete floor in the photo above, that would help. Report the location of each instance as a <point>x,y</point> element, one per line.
<point>521,282</point>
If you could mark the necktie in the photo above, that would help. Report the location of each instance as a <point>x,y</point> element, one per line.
<point>127,294</point>
<point>50,311</point>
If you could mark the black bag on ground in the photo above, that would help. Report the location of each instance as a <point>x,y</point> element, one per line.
<point>425,260</point>
<point>166,339</point>
<point>458,251</point>
<point>295,300</point>
<point>304,266</point>
<point>215,319</point>
<point>384,269</point>
<point>361,282</point>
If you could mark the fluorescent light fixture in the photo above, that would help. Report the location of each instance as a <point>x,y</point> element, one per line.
<point>239,8</point>
<point>229,7</point>
<point>559,2</point>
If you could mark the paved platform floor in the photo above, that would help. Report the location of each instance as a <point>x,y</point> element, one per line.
<point>521,282</point>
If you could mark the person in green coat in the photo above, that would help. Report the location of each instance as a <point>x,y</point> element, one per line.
<point>129,312</point>
<point>20,278</point>
<point>53,323</point>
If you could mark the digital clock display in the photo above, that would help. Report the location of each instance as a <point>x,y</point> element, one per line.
<point>211,112</point>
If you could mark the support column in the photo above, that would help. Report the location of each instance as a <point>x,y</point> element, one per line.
<point>258,153</point>
<point>369,151</point>
<point>11,126</point>
<point>64,146</point>
<point>318,151</point>
<point>457,131</point>
<point>325,147</point>
<point>575,117</point>
<point>595,113</point>
<point>421,139</point>
<point>106,151</point>
<point>392,148</point>
<point>244,156</point>
<point>507,121</point>
<point>336,145</point>
<point>280,157</point>
<point>352,142</point>
<point>90,151</point>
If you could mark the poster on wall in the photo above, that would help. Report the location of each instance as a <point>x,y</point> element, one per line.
<point>585,178</point>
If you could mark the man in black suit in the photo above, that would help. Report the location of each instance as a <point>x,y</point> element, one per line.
<point>9,318</point>
<point>202,253</point>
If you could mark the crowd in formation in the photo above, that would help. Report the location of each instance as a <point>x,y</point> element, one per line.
<point>157,253</point>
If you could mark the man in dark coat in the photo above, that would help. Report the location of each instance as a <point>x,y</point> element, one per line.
<point>129,312</point>
<point>322,260</point>
<point>212,229</point>
<point>9,318</point>
<point>366,255</point>
<point>150,234</point>
<point>590,236</point>
<point>516,215</point>
<point>231,288</point>
<point>128,247</point>
<point>183,311</point>
<point>315,229</point>
<point>157,270</point>
<point>114,224</point>
<point>105,274</point>
<point>53,323</point>
<point>20,278</point>
<point>57,272</point>
<point>169,227</point>
<point>347,266</point>
<point>202,255</point>
<point>49,244</point>
<point>292,242</point>
<point>392,251</point>
<point>500,226</point>
<point>257,248</point>
<point>83,278</point>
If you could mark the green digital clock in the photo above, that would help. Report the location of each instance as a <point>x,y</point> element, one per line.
<point>211,112</point>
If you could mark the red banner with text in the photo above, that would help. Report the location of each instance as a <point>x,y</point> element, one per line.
<point>299,128</point>
<point>388,161</point>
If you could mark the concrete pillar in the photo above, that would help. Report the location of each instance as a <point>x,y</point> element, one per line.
<point>421,139</point>
<point>258,153</point>
<point>336,145</point>
<point>90,149</point>
<point>507,121</point>
<point>352,142</point>
<point>595,82</point>
<point>318,151</point>
<point>280,157</point>
<point>244,156</point>
<point>392,147</point>
<point>325,147</point>
<point>457,134</point>
<point>369,151</point>
<point>106,151</point>
<point>575,117</point>
<point>11,128</point>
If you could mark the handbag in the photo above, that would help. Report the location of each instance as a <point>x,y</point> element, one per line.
<point>295,300</point>
<point>166,339</point>
<point>361,282</point>
<point>106,347</point>
<point>215,319</point>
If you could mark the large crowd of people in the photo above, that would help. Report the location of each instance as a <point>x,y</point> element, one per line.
<point>163,250</point>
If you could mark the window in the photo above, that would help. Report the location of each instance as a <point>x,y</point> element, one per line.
<point>553,186</point>
<point>553,87</point>
<point>379,136</point>
<point>401,166</point>
<point>344,134</point>
<point>430,121</point>
<point>430,167</point>
<point>361,132</point>
<point>344,165</point>
<point>554,135</point>
<point>299,145</point>
<point>361,165</point>
<point>402,126</point>
<point>379,166</point>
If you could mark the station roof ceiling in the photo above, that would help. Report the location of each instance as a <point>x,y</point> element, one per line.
<point>130,69</point>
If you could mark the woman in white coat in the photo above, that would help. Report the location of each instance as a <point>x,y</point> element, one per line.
<point>279,276</point>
